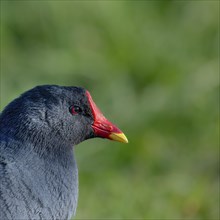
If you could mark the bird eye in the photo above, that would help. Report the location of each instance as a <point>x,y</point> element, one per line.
<point>75,109</point>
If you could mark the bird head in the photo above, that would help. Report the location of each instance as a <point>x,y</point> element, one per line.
<point>58,112</point>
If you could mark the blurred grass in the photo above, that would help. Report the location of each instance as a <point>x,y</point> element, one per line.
<point>153,68</point>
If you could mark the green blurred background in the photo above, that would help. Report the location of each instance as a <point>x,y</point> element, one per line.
<point>152,67</point>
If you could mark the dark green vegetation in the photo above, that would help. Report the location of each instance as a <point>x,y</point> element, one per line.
<point>152,67</point>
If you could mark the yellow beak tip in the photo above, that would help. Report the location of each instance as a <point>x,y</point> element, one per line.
<point>120,137</point>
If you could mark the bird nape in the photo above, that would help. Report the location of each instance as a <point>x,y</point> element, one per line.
<point>38,172</point>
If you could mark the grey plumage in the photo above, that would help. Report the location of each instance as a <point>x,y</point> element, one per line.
<point>38,173</point>
<point>33,187</point>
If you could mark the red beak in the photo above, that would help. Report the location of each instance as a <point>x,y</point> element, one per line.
<point>102,127</point>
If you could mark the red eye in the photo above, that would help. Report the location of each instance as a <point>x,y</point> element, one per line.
<point>75,109</point>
